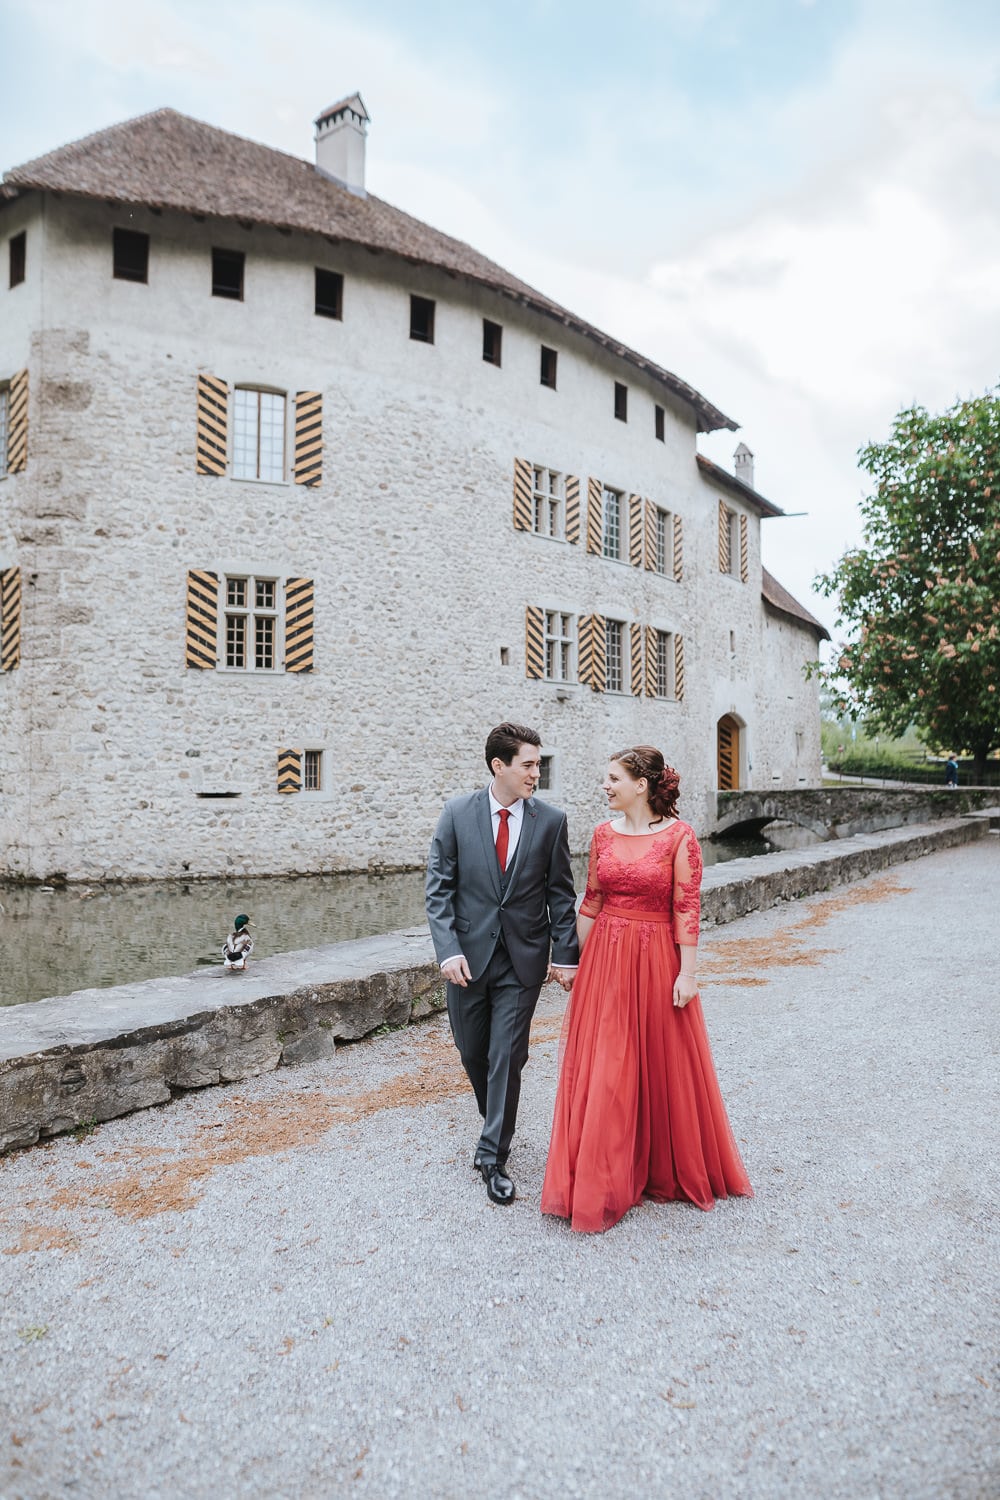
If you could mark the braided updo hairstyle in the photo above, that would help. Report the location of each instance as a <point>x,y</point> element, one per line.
<point>662,780</point>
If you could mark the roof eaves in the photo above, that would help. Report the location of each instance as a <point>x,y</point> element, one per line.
<point>728,481</point>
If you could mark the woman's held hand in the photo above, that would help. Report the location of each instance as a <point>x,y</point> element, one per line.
<point>685,990</point>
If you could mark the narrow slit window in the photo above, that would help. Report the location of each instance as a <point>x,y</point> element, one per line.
<point>663,537</point>
<point>422,320</point>
<point>130,255</point>
<point>329,294</point>
<point>548,367</point>
<point>18,257</point>
<point>545,773</point>
<point>658,424</point>
<point>664,664</point>
<point>621,402</point>
<point>614,671</point>
<point>611,541</point>
<point>492,342</point>
<point>227,274</point>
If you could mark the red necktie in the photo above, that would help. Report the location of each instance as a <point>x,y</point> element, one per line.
<point>503,837</point>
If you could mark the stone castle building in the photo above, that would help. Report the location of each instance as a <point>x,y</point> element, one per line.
<point>298,496</point>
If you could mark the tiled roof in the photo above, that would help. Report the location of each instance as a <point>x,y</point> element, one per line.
<point>168,160</point>
<point>727,481</point>
<point>772,593</point>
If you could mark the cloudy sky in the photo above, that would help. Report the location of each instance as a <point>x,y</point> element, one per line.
<point>794,204</point>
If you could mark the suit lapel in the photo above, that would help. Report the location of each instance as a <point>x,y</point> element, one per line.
<point>529,822</point>
<point>485,822</point>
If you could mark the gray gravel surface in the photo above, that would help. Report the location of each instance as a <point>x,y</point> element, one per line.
<point>296,1286</point>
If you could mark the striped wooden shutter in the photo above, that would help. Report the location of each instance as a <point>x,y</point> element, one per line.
<point>592,652</point>
<point>572,509</point>
<point>728,747</point>
<point>202,635</point>
<point>17,423</point>
<point>10,619</point>
<point>637,672</point>
<point>298,625</point>
<point>213,425</point>
<point>679,668</point>
<point>534,645</point>
<point>678,549</point>
<point>744,550</point>
<point>289,771</point>
<point>595,519</point>
<point>649,536</point>
<point>636,531</point>
<point>308,437</point>
<point>522,494</point>
<point>725,548</point>
<point>651,639</point>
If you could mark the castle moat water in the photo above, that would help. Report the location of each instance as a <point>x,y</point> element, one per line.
<point>56,940</point>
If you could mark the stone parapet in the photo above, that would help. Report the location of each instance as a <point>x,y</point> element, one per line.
<point>90,1056</point>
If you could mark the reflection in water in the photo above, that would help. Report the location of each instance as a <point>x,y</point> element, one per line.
<point>80,937</point>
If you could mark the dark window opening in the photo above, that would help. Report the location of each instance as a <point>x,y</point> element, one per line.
<point>549,357</point>
<point>130,255</point>
<point>492,341</point>
<point>621,402</point>
<point>18,251</point>
<point>227,274</point>
<point>329,294</point>
<point>422,319</point>
<point>658,422</point>
<point>545,773</point>
<point>218,796</point>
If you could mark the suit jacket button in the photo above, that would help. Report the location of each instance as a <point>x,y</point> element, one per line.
<point>492,934</point>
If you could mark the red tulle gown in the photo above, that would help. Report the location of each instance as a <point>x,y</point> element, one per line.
<point>638,1109</point>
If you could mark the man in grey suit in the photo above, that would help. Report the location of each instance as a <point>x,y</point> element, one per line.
<point>499,898</point>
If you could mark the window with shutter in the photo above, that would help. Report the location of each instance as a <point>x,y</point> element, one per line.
<point>201,636</point>
<point>308,437</point>
<point>591,652</point>
<point>213,425</point>
<point>744,549</point>
<point>298,625</point>
<point>17,423</point>
<point>678,549</point>
<point>636,535</point>
<point>289,771</point>
<point>534,648</point>
<point>595,515</point>
<point>10,619</point>
<point>522,494</point>
<point>637,664</point>
<point>679,667</point>
<point>572,509</point>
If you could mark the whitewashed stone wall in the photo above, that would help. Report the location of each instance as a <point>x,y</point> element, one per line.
<point>420,578</point>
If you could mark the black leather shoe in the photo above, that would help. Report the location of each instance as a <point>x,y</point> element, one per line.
<point>499,1188</point>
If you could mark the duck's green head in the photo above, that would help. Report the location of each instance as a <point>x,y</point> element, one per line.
<point>241,921</point>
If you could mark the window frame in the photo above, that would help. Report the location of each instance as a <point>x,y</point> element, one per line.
<point>559,637</point>
<point>17,259</point>
<point>549,366</point>
<point>335,278</point>
<point>429,306</point>
<point>665,666</point>
<point>733,524</point>
<point>220,257</point>
<point>659,424</point>
<point>621,401</point>
<point>259,391</point>
<point>548,501</point>
<point>492,343</point>
<point>663,542</point>
<point>124,266</point>
<point>251,612</point>
<point>620,523</point>
<point>614,629</point>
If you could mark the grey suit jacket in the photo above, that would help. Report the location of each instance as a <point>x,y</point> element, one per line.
<point>467,908</point>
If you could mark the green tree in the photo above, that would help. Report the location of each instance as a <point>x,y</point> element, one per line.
<point>921,597</point>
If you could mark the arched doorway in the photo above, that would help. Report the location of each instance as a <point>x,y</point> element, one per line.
<point>728,754</point>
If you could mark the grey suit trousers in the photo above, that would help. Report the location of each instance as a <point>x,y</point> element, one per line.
<point>490,1021</point>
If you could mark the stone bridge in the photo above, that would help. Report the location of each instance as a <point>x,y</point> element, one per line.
<point>838,812</point>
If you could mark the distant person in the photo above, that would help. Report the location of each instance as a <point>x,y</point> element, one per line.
<point>638,1110</point>
<point>499,897</point>
<point>951,773</point>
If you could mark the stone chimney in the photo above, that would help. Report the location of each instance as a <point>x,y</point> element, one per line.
<point>743,465</point>
<point>340,143</point>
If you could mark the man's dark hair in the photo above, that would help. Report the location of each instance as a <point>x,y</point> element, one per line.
<point>505,740</point>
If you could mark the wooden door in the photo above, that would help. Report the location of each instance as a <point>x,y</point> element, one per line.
<point>729,754</point>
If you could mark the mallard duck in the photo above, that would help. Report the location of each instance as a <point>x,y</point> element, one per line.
<point>238,946</point>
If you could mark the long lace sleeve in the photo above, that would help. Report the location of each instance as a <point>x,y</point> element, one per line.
<point>593,897</point>
<point>687,888</point>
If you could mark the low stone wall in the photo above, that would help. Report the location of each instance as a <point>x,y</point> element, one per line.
<point>840,812</point>
<point>95,1054</point>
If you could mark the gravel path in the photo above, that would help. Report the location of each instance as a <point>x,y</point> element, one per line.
<point>296,1286</point>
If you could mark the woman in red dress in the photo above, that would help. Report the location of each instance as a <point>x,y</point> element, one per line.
<point>638,1109</point>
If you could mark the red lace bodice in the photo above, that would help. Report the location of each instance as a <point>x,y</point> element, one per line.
<point>647,872</point>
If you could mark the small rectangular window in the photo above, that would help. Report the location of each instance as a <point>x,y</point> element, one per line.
<point>548,368</point>
<point>130,255</point>
<point>611,540</point>
<point>545,773</point>
<point>621,402</point>
<point>422,320</point>
<point>492,341</point>
<point>658,423</point>
<point>558,646</point>
<point>312,771</point>
<point>614,674</point>
<point>329,294</point>
<point>227,274</point>
<point>664,664</point>
<point>18,254</point>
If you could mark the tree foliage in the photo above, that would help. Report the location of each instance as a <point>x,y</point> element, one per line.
<point>921,596</point>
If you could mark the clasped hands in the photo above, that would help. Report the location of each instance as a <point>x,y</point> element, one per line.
<point>457,971</point>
